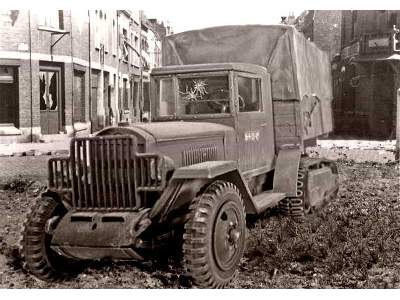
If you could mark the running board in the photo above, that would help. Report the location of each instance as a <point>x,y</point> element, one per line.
<point>267,200</point>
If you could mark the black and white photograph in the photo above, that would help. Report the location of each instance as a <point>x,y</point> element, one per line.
<point>199,145</point>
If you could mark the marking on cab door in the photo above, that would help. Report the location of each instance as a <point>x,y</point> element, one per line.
<point>251,136</point>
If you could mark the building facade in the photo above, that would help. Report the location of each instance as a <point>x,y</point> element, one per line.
<point>323,27</point>
<point>70,72</point>
<point>366,74</point>
<point>365,67</point>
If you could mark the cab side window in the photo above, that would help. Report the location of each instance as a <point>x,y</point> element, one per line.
<point>249,94</point>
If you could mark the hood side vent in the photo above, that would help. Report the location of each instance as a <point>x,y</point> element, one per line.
<point>201,154</point>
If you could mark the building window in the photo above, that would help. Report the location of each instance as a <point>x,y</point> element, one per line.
<point>8,96</point>
<point>96,30</point>
<point>113,39</point>
<point>125,51</point>
<point>51,116</point>
<point>131,51</point>
<point>136,42</point>
<point>53,19</point>
<point>48,90</point>
<point>105,33</point>
<point>100,30</point>
<point>145,45</point>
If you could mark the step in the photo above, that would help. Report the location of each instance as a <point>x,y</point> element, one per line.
<point>267,200</point>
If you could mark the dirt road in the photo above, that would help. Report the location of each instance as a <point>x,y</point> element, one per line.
<point>352,243</point>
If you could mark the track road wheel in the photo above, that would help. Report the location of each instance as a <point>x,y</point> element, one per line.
<point>214,237</point>
<point>38,259</point>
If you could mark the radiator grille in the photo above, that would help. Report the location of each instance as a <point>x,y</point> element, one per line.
<point>107,173</point>
<point>59,173</point>
<point>201,154</point>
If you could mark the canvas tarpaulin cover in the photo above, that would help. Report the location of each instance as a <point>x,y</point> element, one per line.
<point>298,68</point>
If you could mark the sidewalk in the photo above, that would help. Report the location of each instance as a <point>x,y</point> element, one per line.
<point>388,145</point>
<point>52,147</point>
<point>60,146</point>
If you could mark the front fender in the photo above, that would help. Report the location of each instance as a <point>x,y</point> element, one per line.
<point>187,182</point>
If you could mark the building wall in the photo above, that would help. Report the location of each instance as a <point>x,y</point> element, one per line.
<point>366,46</point>
<point>326,31</point>
<point>364,86</point>
<point>93,46</point>
<point>359,22</point>
<point>322,27</point>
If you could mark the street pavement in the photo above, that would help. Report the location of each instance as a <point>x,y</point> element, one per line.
<point>34,167</point>
<point>29,167</point>
<point>29,160</point>
<point>35,149</point>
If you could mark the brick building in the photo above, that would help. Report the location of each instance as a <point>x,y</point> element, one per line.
<point>69,72</point>
<point>321,27</point>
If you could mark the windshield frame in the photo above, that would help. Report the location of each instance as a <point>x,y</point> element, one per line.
<point>177,115</point>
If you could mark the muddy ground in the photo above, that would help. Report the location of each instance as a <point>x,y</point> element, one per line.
<point>354,242</point>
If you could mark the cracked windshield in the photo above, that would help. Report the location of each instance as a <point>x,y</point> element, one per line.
<point>204,95</point>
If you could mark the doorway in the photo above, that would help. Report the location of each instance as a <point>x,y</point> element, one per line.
<point>9,108</point>
<point>79,97</point>
<point>50,101</point>
<point>94,91</point>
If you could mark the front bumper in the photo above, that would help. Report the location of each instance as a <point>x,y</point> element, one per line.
<point>100,235</point>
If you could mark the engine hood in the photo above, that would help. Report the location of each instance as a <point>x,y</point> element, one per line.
<point>176,130</point>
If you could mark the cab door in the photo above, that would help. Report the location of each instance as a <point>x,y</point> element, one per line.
<point>254,123</point>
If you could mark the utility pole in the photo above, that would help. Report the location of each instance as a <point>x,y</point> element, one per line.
<point>139,103</point>
<point>141,67</point>
<point>90,75</point>
<point>117,112</point>
<point>72,77</point>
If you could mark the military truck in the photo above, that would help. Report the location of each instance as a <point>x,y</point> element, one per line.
<point>232,112</point>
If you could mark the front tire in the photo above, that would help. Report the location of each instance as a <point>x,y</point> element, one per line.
<point>37,256</point>
<point>214,238</point>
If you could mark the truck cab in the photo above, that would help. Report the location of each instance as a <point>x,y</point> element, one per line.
<point>232,94</point>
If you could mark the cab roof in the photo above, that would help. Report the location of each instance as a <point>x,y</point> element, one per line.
<point>210,67</point>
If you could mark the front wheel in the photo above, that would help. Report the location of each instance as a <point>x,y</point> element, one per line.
<point>214,238</point>
<point>37,256</point>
